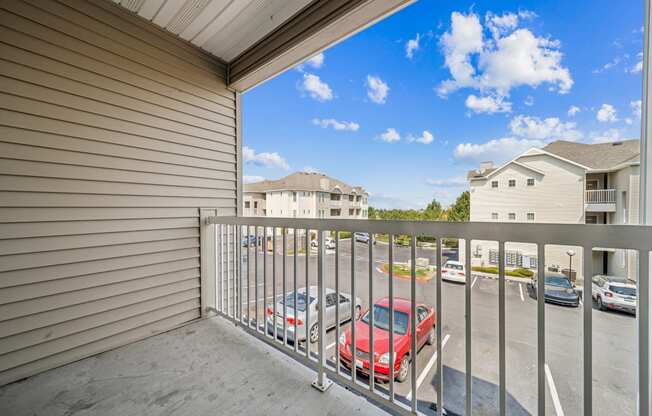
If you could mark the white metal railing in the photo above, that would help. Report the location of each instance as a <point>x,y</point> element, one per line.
<point>600,196</point>
<point>234,278</point>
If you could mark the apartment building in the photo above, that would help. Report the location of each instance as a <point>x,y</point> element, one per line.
<point>564,182</point>
<point>305,195</point>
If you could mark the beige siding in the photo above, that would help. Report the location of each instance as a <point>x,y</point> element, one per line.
<point>113,135</point>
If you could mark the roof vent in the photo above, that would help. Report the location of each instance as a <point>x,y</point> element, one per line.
<point>616,143</point>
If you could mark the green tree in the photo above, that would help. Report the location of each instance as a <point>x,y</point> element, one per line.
<point>433,211</point>
<point>461,209</point>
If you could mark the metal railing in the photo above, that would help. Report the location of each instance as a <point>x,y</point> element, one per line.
<point>600,196</point>
<point>232,275</point>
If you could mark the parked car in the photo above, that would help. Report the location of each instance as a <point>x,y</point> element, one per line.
<point>363,238</point>
<point>614,293</point>
<point>402,343</point>
<point>307,301</point>
<point>453,271</point>
<point>329,243</point>
<point>558,289</point>
<point>251,240</point>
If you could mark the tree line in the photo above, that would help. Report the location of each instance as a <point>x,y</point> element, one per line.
<point>458,211</point>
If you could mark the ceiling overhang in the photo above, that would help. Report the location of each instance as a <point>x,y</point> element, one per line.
<point>259,39</point>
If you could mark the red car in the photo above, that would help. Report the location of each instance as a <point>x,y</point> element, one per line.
<point>402,332</point>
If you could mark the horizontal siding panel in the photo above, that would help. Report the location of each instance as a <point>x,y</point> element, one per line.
<point>54,317</point>
<point>23,144</point>
<point>38,336</point>
<point>97,346</point>
<point>39,72</point>
<point>67,242</point>
<point>21,199</point>
<point>130,78</point>
<point>48,288</point>
<point>9,215</point>
<point>23,230</point>
<point>60,171</point>
<point>53,258</point>
<point>22,184</point>
<point>65,300</point>
<point>114,58</point>
<point>46,349</point>
<point>23,277</point>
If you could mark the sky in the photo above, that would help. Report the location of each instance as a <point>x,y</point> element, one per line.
<point>406,107</point>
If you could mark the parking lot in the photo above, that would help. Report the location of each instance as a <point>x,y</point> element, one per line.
<point>614,337</point>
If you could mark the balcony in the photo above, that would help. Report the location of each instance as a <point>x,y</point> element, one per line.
<point>600,200</point>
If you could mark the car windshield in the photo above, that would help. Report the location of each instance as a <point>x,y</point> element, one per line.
<point>301,301</point>
<point>623,290</point>
<point>558,282</point>
<point>454,266</point>
<point>381,319</point>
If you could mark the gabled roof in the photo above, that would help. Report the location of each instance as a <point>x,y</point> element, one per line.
<point>304,181</point>
<point>602,156</point>
<point>490,172</point>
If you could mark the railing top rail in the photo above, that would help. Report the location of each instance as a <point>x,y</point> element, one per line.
<point>637,237</point>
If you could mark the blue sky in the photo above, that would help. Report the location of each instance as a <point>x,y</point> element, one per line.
<point>406,118</point>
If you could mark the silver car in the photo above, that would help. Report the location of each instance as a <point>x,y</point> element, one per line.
<point>308,303</point>
<point>614,293</point>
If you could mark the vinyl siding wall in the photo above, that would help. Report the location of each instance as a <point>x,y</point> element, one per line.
<point>113,135</point>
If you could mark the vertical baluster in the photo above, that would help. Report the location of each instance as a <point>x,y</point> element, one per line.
<point>467,337</point>
<point>285,289</point>
<point>338,304</point>
<point>307,293</point>
<point>643,315</point>
<point>502,393</point>
<point>541,330</point>
<point>294,290</point>
<point>265,307</point>
<point>413,322</point>
<point>440,358</point>
<point>229,274</point>
<point>257,318</point>
<point>240,277</point>
<point>587,309</point>
<point>391,317</point>
<point>274,331</point>
<point>221,287</point>
<point>248,302</point>
<point>353,349</point>
<point>372,360</point>
<point>321,383</point>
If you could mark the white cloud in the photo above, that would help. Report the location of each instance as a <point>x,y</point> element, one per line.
<point>543,129</point>
<point>453,182</point>
<point>252,178</point>
<point>573,110</point>
<point>265,159</point>
<point>608,65</point>
<point>390,136</point>
<point>608,136</point>
<point>638,66</point>
<point>384,201</point>
<point>529,101</point>
<point>377,89</point>
<point>606,114</point>
<point>512,57</point>
<point>315,62</point>
<point>425,138</point>
<point>316,88</point>
<point>489,105</point>
<point>335,124</point>
<point>411,46</point>
<point>497,150</point>
<point>636,107</point>
<point>310,169</point>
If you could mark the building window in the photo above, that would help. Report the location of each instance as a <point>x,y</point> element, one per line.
<point>294,213</point>
<point>351,198</point>
<point>351,211</point>
<point>494,184</point>
<point>247,203</point>
<point>512,183</point>
<point>512,216</point>
<point>294,197</point>
<point>494,215</point>
<point>335,212</point>
<point>358,198</point>
<point>255,204</point>
<point>530,216</point>
<point>591,219</point>
<point>530,181</point>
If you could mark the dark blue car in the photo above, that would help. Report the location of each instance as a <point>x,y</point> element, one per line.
<point>558,289</point>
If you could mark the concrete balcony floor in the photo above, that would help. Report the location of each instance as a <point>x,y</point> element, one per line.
<point>208,367</point>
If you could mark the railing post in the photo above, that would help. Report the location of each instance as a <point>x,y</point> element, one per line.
<point>322,383</point>
<point>208,261</point>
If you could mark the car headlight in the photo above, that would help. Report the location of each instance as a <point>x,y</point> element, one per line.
<point>384,359</point>
<point>343,339</point>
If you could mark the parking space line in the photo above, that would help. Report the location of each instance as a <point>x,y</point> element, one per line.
<point>474,280</point>
<point>520,289</point>
<point>553,392</point>
<point>329,346</point>
<point>428,366</point>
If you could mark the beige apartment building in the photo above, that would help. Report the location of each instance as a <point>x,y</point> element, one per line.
<point>305,195</point>
<point>564,182</point>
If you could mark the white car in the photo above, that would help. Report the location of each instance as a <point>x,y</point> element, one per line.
<point>329,243</point>
<point>453,271</point>
<point>614,293</point>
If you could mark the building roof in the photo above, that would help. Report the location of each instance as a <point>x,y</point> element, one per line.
<point>595,157</point>
<point>304,181</point>
<point>602,156</point>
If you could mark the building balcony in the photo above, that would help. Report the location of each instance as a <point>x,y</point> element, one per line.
<point>600,200</point>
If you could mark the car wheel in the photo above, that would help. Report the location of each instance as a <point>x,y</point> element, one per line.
<point>314,333</point>
<point>600,304</point>
<point>358,312</point>
<point>403,370</point>
<point>432,337</point>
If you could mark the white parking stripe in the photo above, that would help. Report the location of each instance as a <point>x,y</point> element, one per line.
<point>520,289</point>
<point>474,280</point>
<point>329,346</point>
<point>553,392</point>
<point>428,366</point>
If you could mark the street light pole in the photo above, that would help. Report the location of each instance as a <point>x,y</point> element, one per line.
<point>570,254</point>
